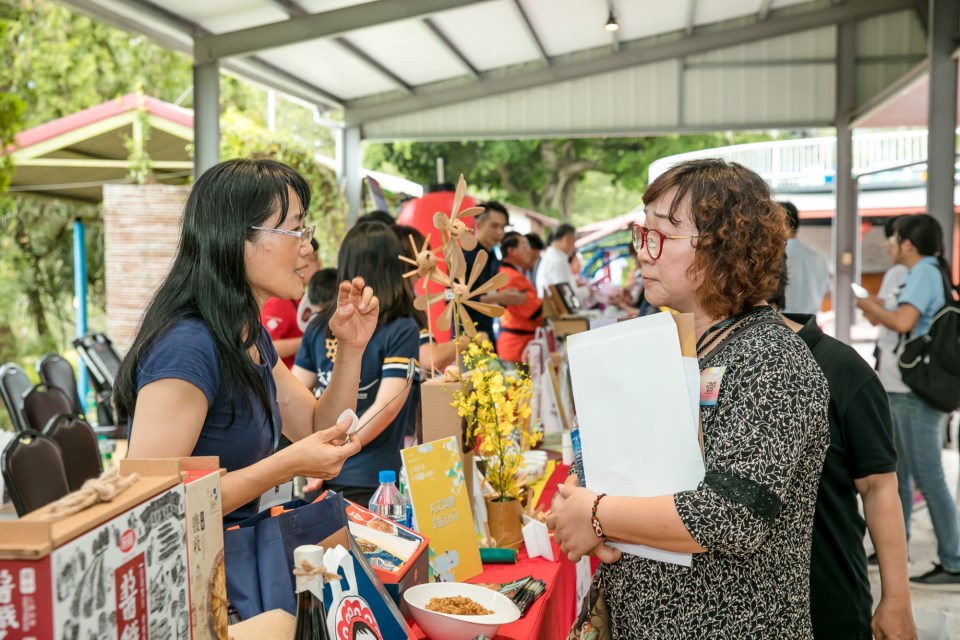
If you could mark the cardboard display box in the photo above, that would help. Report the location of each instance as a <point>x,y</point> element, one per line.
<point>440,420</point>
<point>115,570</point>
<point>560,309</point>
<point>397,555</point>
<point>204,523</point>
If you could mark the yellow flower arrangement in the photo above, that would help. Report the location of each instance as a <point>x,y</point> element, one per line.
<point>496,407</point>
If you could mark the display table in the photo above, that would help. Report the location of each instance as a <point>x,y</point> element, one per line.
<point>550,617</point>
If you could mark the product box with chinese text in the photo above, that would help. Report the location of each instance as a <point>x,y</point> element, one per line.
<point>205,569</point>
<point>117,569</point>
<point>396,554</point>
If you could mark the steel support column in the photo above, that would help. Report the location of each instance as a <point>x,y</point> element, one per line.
<point>206,117</point>
<point>349,168</point>
<point>846,223</point>
<point>80,298</point>
<point>942,116</point>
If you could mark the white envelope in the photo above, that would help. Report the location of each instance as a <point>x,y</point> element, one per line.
<point>637,404</point>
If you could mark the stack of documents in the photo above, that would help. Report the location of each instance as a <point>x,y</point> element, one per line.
<point>637,400</point>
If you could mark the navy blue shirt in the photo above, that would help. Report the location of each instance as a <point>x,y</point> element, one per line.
<point>491,269</point>
<point>387,356</point>
<point>239,432</point>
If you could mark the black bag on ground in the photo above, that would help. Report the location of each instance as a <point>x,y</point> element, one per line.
<point>930,364</point>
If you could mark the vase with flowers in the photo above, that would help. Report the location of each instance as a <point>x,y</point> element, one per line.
<point>496,407</point>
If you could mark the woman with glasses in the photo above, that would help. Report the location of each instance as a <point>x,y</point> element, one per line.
<point>713,245</point>
<point>202,376</point>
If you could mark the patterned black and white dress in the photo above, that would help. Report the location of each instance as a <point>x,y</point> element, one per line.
<point>764,444</point>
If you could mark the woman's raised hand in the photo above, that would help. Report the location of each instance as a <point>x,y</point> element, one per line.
<point>322,454</point>
<point>355,319</point>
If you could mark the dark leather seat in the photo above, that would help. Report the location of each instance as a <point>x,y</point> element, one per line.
<point>42,403</point>
<point>79,447</point>
<point>32,468</point>
<point>57,373</point>
<point>14,384</point>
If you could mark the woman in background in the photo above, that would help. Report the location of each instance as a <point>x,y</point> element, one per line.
<point>386,400</point>
<point>918,427</point>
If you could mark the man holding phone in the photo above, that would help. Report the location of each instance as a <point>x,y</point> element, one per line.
<point>859,291</point>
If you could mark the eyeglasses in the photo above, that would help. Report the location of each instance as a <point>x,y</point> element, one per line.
<point>653,239</point>
<point>304,235</point>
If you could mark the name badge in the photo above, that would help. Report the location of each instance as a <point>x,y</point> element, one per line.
<point>710,385</point>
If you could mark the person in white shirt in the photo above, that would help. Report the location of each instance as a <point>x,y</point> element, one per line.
<point>888,339</point>
<point>555,261</point>
<point>808,275</point>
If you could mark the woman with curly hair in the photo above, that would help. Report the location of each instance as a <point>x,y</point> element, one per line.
<point>713,245</point>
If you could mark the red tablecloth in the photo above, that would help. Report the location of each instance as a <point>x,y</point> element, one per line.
<point>550,617</point>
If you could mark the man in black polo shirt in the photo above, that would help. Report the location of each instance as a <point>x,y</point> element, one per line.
<point>490,227</point>
<point>861,459</point>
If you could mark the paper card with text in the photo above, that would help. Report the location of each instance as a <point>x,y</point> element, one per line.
<point>441,505</point>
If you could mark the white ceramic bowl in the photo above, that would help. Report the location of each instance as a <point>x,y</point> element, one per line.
<point>445,626</point>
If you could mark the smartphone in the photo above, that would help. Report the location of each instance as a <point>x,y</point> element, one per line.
<point>859,291</point>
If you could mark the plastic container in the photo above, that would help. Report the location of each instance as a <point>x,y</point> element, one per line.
<point>106,447</point>
<point>387,501</point>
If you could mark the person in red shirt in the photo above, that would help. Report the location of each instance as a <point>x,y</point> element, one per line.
<point>519,321</point>
<point>280,316</point>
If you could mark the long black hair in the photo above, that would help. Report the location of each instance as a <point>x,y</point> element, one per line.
<point>208,280</point>
<point>370,250</point>
<point>924,232</point>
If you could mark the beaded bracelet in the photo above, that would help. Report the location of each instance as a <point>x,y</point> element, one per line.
<point>593,516</point>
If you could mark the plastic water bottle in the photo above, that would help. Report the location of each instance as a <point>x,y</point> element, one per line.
<point>386,501</point>
<point>106,451</point>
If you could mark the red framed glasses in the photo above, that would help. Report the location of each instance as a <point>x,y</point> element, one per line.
<point>653,240</point>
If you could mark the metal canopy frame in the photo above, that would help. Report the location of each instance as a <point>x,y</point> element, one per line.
<point>177,34</point>
<point>210,47</point>
<point>631,54</point>
<point>239,50</point>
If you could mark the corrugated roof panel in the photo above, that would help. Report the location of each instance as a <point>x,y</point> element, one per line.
<point>637,21</point>
<point>319,6</point>
<point>409,50</point>
<point>891,34</point>
<point>779,4</point>
<point>814,44</point>
<point>328,66</point>
<point>222,16</point>
<point>564,26</point>
<point>708,11</point>
<point>759,96</point>
<point>488,34</point>
<point>632,100</point>
<point>872,78</point>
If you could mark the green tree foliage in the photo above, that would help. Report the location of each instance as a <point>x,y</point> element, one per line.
<point>54,63</point>
<point>242,136</point>
<point>36,241</point>
<point>543,174</point>
<point>58,61</point>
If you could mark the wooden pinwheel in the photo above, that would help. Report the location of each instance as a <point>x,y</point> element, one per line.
<point>460,296</point>
<point>454,231</point>
<point>426,263</point>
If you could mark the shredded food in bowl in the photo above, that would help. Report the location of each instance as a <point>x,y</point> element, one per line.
<point>457,605</point>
